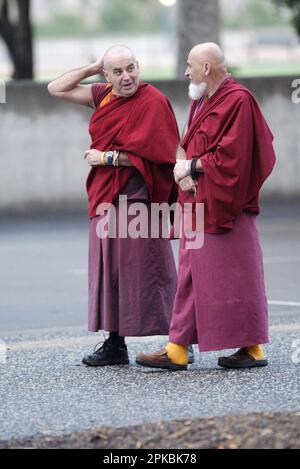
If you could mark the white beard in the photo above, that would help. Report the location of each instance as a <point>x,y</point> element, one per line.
<point>197,91</point>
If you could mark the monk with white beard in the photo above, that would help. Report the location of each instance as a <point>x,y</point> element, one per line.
<point>223,160</point>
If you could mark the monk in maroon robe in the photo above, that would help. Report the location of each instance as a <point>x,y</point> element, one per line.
<point>132,280</point>
<point>224,158</point>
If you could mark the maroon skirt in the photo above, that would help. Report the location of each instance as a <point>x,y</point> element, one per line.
<point>132,282</point>
<point>221,300</point>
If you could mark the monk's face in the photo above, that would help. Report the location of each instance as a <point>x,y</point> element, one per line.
<point>123,73</point>
<point>195,69</point>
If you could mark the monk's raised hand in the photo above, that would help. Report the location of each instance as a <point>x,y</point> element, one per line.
<point>99,66</point>
<point>94,157</point>
<point>188,184</point>
<point>181,169</point>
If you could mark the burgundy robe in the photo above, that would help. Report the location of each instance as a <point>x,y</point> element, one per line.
<point>231,137</point>
<point>143,126</point>
<point>220,300</point>
<point>132,282</point>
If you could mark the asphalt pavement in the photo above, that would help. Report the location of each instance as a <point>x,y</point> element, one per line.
<point>44,388</point>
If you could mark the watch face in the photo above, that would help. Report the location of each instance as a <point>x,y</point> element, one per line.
<point>110,157</point>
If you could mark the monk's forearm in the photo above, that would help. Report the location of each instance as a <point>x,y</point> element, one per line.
<point>68,81</point>
<point>184,168</point>
<point>180,154</point>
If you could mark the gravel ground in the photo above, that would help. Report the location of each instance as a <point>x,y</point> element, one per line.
<point>46,393</point>
<point>253,431</point>
<point>45,389</point>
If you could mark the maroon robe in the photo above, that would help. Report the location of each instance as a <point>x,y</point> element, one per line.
<point>143,126</point>
<point>132,282</point>
<point>231,137</point>
<point>220,300</point>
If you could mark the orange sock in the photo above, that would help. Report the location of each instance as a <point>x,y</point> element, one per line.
<point>177,353</point>
<point>257,352</point>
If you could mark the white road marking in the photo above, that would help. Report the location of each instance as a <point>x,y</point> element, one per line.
<point>78,272</point>
<point>91,341</point>
<point>278,259</point>
<point>284,303</point>
<point>84,341</point>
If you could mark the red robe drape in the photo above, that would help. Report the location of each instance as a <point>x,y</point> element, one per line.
<point>143,126</point>
<point>231,137</point>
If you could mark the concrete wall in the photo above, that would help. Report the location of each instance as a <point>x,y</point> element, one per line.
<point>43,141</point>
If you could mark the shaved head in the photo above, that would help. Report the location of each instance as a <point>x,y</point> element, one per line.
<point>116,53</point>
<point>121,70</point>
<point>209,52</point>
<point>206,69</point>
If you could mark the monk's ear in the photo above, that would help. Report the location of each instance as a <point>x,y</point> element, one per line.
<point>105,73</point>
<point>207,68</point>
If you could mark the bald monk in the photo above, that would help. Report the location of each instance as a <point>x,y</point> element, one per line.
<point>224,158</point>
<point>132,282</point>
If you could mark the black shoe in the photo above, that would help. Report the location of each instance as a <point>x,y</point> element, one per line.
<point>191,357</point>
<point>241,359</point>
<point>108,354</point>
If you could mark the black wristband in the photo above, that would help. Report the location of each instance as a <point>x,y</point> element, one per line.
<point>193,167</point>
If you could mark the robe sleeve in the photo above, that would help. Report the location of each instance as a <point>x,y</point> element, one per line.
<point>97,91</point>
<point>227,170</point>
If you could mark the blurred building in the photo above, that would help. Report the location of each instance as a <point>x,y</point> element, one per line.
<point>44,9</point>
<point>244,45</point>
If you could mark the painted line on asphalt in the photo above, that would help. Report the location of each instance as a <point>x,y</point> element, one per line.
<point>285,328</point>
<point>87,341</point>
<point>284,303</point>
<point>84,341</point>
<point>270,260</point>
<point>78,272</point>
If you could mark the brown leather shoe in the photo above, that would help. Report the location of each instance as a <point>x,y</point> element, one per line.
<point>158,359</point>
<point>241,359</point>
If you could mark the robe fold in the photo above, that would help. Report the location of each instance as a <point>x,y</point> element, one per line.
<point>234,143</point>
<point>143,126</point>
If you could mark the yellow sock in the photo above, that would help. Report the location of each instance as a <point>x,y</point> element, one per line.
<point>257,352</point>
<point>177,353</point>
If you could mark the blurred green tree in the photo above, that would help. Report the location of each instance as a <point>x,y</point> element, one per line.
<point>198,21</point>
<point>253,14</point>
<point>133,16</point>
<point>16,31</point>
<point>294,5</point>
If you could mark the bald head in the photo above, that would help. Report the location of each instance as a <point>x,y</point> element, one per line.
<point>206,69</point>
<point>211,53</point>
<point>121,70</point>
<point>115,54</point>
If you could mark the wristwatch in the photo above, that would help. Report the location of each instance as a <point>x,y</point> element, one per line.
<point>110,157</point>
